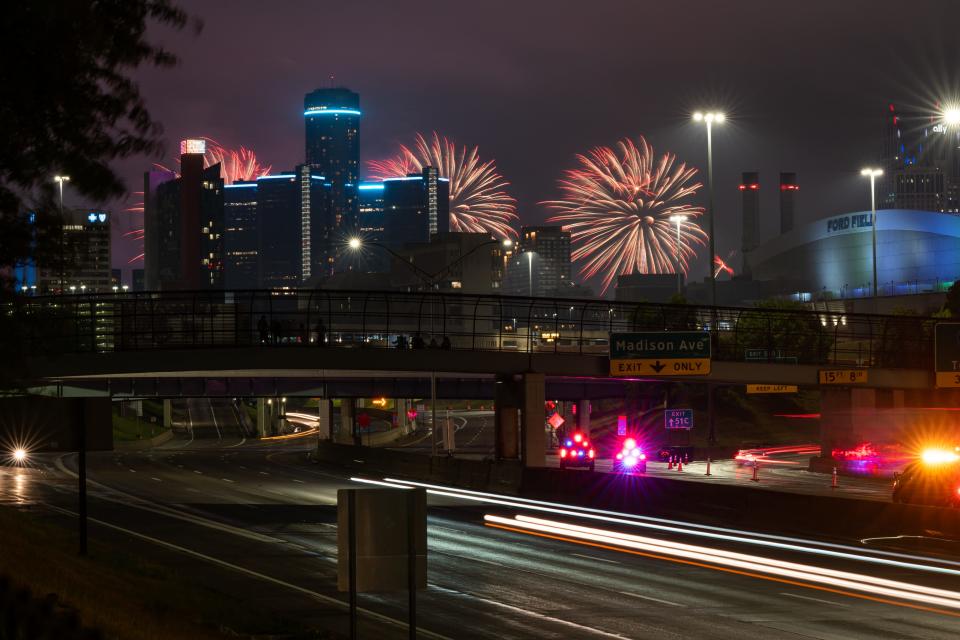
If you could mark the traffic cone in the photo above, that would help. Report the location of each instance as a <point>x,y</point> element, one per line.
<point>756,472</point>
<point>670,463</point>
<point>680,465</point>
<point>834,481</point>
<point>708,467</point>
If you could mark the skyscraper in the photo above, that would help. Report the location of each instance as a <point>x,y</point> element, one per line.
<point>332,124</point>
<point>921,164</point>
<point>789,187</point>
<point>183,225</point>
<point>86,255</point>
<point>416,207</point>
<point>240,236</point>
<point>540,266</point>
<point>750,236</point>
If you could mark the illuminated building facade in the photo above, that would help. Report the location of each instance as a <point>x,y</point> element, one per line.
<point>416,207</point>
<point>86,256</point>
<point>540,264</point>
<point>240,236</point>
<point>332,124</point>
<point>183,225</point>
<point>920,161</point>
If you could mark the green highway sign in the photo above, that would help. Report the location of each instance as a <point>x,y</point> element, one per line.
<point>660,353</point>
<point>946,341</point>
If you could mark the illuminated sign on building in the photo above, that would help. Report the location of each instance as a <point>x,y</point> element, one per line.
<point>94,217</point>
<point>193,145</point>
<point>854,221</point>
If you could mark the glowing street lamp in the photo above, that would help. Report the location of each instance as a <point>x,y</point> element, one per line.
<point>873,174</point>
<point>678,220</point>
<point>710,118</point>
<point>60,180</point>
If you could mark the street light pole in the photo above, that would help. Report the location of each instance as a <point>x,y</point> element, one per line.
<point>709,118</point>
<point>63,237</point>
<point>678,220</point>
<point>530,272</point>
<point>873,174</point>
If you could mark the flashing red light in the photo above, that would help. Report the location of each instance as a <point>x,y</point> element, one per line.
<point>629,443</point>
<point>591,454</point>
<point>891,107</point>
<point>563,453</point>
<point>620,456</point>
<point>578,437</point>
<point>789,187</point>
<point>751,187</point>
<point>643,456</point>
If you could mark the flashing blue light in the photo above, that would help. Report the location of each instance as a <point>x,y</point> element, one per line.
<point>319,111</point>
<point>629,461</point>
<point>569,443</point>
<point>580,453</point>
<point>327,184</point>
<point>403,178</point>
<point>378,186</point>
<point>32,217</point>
<point>279,176</point>
<point>240,186</point>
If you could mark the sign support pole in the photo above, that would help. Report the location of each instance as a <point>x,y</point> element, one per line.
<point>352,552</point>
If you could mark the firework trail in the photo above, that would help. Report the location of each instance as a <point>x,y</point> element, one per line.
<point>617,205</point>
<point>720,265</point>
<point>236,165</point>
<point>478,200</point>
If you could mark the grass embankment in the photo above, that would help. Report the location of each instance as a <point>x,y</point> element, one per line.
<point>127,427</point>
<point>121,595</point>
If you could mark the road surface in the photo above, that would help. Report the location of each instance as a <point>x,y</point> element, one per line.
<point>258,521</point>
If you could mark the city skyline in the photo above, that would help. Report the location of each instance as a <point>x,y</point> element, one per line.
<point>515,92</point>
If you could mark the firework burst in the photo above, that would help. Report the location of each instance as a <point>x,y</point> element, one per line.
<point>478,200</point>
<point>617,205</point>
<point>236,165</point>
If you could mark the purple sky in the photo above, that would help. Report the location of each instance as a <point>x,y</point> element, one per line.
<point>804,84</point>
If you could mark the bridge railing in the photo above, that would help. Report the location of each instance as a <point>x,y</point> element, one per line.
<point>389,319</point>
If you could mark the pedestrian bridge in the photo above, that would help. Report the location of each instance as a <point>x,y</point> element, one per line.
<point>320,335</point>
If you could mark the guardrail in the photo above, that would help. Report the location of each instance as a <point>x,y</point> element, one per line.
<point>389,319</point>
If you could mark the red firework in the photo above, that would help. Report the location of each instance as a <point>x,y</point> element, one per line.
<point>618,205</point>
<point>478,200</point>
<point>236,165</point>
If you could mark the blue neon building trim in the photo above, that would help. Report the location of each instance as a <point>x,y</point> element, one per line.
<point>404,178</point>
<point>240,186</point>
<point>333,112</point>
<point>378,186</point>
<point>318,177</point>
<point>278,176</point>
<point>444,179</point>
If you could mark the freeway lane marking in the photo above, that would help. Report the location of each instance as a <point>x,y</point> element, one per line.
<point>195,471</point>
<point>527,612</point>
<point>749,574</point>
<point>580,555</point>
<point>157,479</point>
<point>226,479</point>
<point>255,574</point>
<point>643,597</point>
<point>797,595</point>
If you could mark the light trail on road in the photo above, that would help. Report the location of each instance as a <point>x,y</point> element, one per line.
<point>785,543</point>
<point>818,575</point>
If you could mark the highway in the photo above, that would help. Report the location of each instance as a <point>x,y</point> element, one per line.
<point>258,521</point>
<point>779,472</point>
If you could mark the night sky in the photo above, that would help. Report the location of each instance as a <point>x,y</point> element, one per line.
<point>804,85</point>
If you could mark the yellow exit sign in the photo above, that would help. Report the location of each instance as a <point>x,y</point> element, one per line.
<point>771,388</point>
<point>843,376</point>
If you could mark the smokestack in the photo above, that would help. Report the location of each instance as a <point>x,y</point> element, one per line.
<point>750,238</point>
<point>788,200</point>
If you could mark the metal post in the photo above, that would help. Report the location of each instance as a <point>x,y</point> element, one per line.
<point>873,224</point>
<point>530,273</point>
<point>82,486</point>
<point>411,565</point>
<point>711,213</point>
<point>352,563</point>
<point>433,413</point>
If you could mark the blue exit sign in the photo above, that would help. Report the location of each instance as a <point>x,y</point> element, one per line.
<point>678,418</point>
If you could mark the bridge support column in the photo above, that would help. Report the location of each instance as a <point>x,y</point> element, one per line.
<point>264,417</point>
<point>400,415</point>
<point>167,414</point>
<point>533,420</point>
<point>347,433</point>
<point>323,418</point>
<point>520,419</point>
<point>583,416</point>
<point>506,418</point>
